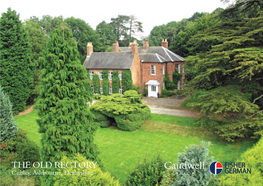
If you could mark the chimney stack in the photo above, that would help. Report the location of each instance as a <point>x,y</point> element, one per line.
<point>165,43</point>
<point>134,47</point>
<point>145,44</point>
<point>89,48</point>
<point>115,47</point>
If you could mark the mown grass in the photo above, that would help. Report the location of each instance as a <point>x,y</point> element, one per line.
<point>167,135</point>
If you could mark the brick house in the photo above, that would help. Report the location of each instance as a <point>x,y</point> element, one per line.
<point>147,64</point>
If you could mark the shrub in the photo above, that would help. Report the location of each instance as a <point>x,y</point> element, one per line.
<point>126,80</point>
<point>168,84</point>
<point>19,148</point>
<point>253,159</point>
<point>96,83</point>
<point>194,155</point>
<point>133,121</point>
<point>8,127</point>
<point>93,176</point>
<point>101,120</point>
<point>105,82</point>
<point>166,93</point>
<point>115,82</point>
<point>7,178</point>
<point>127,110</point>
<point>145,91</point>
<point>168,177</point>
<point>137,89</point>
<point>147,172</point>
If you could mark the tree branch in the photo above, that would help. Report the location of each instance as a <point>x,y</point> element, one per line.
<point>257,98</point>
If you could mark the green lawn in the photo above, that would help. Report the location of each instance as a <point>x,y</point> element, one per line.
<point>165,134</point>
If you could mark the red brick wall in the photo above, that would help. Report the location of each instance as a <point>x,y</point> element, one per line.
<point>146,70</point>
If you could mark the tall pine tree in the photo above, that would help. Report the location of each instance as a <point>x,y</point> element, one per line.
<point>65,119</point>
<point>16,68</point>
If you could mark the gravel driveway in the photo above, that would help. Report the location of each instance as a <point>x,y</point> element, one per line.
<point>169,106</point>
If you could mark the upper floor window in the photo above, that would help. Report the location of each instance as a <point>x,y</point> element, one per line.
<point>120,76</point>
<point>91,73</point>
<point>163,70</point>
<point>110,75</point>
<point>100,75</point>
<point>178,67</point>
<point>153,70</point>
<point>183,70</point>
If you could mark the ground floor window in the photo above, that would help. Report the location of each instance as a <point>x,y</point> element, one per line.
<point>110,90</point>
<point>101,91</point>
<point>120,90</point>
<point>153,88</point>
<point>91,88</point>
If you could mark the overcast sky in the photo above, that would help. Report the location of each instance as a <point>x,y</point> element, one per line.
<point>150,13</point>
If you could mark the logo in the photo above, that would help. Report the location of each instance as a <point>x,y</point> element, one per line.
<point>216,167</point>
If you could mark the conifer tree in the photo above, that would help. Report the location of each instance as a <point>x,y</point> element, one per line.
<point>96,83</point>
<point>115,82</point>
<point>8,127</point>
<point>16,53</point>
<point>126,80</point>
<point>65,120</point>
<point>105,82</point>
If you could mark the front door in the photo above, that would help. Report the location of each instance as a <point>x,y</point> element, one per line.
<point>152,90</point>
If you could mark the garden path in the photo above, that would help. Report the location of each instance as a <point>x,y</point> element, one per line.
<point>25,112</point>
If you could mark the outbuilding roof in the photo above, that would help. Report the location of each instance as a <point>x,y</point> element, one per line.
<point>109,60</point>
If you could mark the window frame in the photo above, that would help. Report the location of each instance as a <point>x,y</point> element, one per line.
<point>120,90</point>
<point>100,75</point>
<point>101,90</point>
<point>91,73</point>
<point>153,69</point>
<point>110,89</point>
<point>110,75</point>
<point>120,76</point>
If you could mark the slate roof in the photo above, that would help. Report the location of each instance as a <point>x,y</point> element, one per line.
<point>109,60</point>
<point>162,51</point>
<point>144,57</point>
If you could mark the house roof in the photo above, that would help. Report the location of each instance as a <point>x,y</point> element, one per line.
<point>167,54</point>
<point>109,60</point>
<point>144,57</point>
<point>164,52</point>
